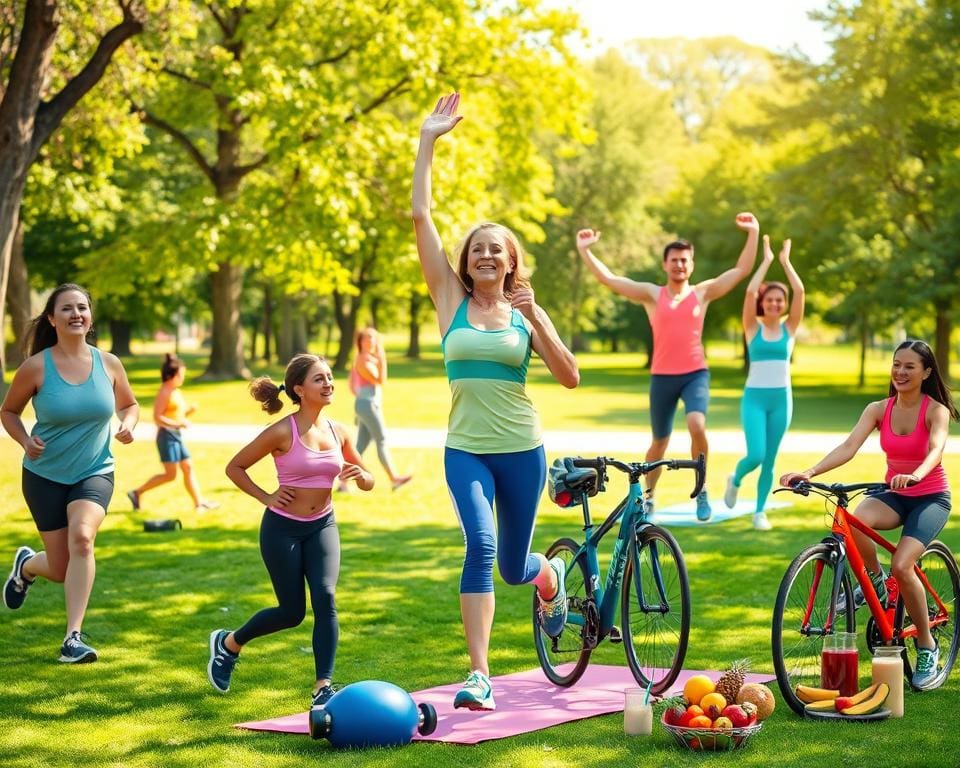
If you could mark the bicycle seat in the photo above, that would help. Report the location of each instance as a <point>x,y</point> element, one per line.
<point>566,483</point>
<point>581,477</point>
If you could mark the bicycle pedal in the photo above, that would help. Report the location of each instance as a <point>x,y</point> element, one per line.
<point>615,636</point>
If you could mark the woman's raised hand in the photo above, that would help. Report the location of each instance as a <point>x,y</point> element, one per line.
<point>767,250</point>
<point>443,118</point>
<point>785,252</point>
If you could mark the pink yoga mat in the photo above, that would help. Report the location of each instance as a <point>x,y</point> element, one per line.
<point>526,701</point>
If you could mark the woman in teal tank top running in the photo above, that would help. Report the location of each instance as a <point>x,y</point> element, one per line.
<point>494,454</point>
<point>68,466</point>
<point>767,403</point>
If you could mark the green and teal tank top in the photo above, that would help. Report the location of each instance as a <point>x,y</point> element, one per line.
<point>73,420</point>
<point>487,370</point>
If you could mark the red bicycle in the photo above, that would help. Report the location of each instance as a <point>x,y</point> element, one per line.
<point>816,594</point>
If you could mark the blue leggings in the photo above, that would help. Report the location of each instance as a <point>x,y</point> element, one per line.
<point>516,480</point>
<point>765,414</point>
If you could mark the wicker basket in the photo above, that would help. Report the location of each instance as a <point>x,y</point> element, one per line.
<point>709,739</point>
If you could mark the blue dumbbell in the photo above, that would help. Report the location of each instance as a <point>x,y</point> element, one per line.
<point>371,713</point>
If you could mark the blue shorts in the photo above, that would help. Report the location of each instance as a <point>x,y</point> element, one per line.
<point>666,390</point>
<point>922,517</point>
<point>170,445</point>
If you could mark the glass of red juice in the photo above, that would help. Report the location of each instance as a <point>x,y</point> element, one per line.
<point>840,663</point>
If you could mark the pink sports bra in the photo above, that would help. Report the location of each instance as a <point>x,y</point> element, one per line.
<point>906,452</point>
<point>303,467</point>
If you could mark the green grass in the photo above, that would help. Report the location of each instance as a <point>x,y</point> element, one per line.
<point>157,596</point>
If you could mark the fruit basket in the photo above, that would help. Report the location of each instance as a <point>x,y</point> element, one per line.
<point>711,739</point>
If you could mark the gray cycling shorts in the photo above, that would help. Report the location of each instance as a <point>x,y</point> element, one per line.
<point>923,517</point>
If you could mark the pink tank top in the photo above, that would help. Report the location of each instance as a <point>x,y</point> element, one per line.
<point>304,467</point>
<point>677,332</point>
<point>906,452</point>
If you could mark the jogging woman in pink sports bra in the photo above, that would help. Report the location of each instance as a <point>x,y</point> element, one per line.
<point>298,535</point>
<point>913,424</point>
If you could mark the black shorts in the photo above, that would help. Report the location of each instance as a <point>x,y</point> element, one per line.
<point>48,499</point>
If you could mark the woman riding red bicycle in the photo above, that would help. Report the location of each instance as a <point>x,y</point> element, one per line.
<point>913,422</point>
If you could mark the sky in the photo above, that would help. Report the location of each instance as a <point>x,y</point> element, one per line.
<point>773,24</point>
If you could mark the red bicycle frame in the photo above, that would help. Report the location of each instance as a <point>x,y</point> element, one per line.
<point>882,615</point>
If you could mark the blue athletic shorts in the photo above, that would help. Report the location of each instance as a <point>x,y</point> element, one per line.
<point>666,390</point>
<point>170,445</point>
<point>923,517</point>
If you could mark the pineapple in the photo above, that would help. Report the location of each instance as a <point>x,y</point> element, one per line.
<point>731,681</point>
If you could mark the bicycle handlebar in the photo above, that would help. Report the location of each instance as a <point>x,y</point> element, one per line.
<point>803,487</point>
<point>637,468</point>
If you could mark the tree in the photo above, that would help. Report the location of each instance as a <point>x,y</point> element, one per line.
<point>609,184</point>
<point>273,102</point>
<point>29,115</point>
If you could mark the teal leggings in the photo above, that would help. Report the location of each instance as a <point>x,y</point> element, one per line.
<point>765,414</point>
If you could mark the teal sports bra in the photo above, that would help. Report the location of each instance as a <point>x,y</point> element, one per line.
<point>487,370</point>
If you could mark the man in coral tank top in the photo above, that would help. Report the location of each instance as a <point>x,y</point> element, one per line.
<point>676,311</point>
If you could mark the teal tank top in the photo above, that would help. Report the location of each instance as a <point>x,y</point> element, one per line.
<point>769,360</point>
<point>490,410</point>
<point>73,420</point>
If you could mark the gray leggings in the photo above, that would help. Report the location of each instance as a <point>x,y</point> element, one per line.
<point>371,426</point>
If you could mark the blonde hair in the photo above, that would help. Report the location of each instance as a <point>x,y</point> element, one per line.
<point>518,277</point>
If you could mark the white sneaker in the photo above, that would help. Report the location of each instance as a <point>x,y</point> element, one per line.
<point>730,495</point>
<point>760,522</point>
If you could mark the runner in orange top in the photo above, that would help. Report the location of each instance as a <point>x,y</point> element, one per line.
<point>170,412</point>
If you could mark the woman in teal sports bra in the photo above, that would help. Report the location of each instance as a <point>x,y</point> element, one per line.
<point>767,403</point>
<point>494,461</point>
<point>67,464</point>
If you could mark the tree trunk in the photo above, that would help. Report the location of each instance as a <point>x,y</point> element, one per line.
<point>254,338</point>
<point>941,340</point>
<point>267,321</point>
<point>345,313</point>
<point>864,341</point>
<point>413,343</point>
<point>120,334</point>
<point>26,123</point>
<point>226,349</point>
<point>18,300</point>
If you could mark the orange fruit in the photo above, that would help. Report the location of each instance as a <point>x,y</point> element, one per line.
<point>713,704</point>
<point>701,721</point>
<point>697,687</point>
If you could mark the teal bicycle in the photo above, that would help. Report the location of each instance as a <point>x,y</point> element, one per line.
<point>647,576</point>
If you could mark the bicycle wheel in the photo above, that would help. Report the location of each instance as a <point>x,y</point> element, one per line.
<point>564,658</point>
<point>655,608</point>
<point>806,587</point>
<point>941,570</point>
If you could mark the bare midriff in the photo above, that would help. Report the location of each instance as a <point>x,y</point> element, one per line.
<point>307,502</point>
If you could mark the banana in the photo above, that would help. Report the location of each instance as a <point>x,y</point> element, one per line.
<point>808,694</point>
<point>826,705</point>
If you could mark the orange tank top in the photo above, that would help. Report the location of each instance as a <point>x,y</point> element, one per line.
<point>677,331</point>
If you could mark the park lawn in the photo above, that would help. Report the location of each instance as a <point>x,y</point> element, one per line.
<point>157,597</point>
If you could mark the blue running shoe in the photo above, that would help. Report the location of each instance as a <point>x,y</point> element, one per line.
<point>15,589</point>
<point>222,661</point>
<point>553,612</point>
<point>476,693</point>
<point>926,672</point>
<point>75,651</point>
<point>703,507</point>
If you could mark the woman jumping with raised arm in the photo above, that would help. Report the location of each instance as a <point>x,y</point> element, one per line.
<point>767,403</point>
<point>490,323</point>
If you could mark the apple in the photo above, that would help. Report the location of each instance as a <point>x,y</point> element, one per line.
<point>723,723</point>
<point>737,715</point>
